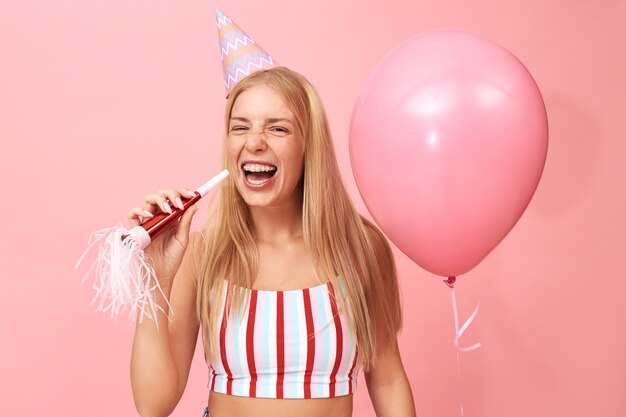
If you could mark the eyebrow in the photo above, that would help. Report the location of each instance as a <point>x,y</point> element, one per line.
<point>270,120</point>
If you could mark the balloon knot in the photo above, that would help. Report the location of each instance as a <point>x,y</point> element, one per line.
<point>450,281</point>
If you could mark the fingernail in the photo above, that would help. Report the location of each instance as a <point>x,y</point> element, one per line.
<point>191,193</point>
<point>148,214</point>
<point>179,203</point>
<point>166,207</point>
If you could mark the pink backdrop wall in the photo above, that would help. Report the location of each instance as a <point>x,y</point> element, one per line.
<point>86,87</point>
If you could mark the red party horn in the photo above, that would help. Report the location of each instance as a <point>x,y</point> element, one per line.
<point>150,229</point>
<point>124,277</point>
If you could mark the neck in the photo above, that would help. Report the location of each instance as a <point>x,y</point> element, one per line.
<point>278,224</point>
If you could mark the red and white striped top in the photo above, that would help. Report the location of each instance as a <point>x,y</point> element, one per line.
<point>289,344</point>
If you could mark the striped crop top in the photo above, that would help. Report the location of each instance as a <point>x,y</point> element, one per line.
<point>289,344</point>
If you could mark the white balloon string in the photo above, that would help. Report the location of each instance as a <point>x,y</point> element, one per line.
<point>457,337</point>
<point>458,373</point>
<point>459,332</point>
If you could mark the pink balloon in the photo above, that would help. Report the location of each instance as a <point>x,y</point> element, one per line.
<point>447,142</point>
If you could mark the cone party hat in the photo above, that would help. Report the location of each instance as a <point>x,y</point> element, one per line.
<point>241,56</point>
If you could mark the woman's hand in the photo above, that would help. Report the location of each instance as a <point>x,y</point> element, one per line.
<point>167,250</point>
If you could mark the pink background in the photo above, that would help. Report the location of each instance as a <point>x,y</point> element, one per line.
<point>88,88</point>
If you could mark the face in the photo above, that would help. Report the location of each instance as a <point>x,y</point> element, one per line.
<point>264,144</point>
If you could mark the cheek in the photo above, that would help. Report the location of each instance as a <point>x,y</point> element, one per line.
<point>232,151</point>
<point>297,165</point>
<point>295,157</point>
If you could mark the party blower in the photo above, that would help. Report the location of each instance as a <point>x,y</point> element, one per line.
<point>124,277</point>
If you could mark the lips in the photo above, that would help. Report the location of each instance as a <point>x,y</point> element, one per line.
<point>258,173</point>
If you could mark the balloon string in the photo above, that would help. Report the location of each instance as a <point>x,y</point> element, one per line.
<point>460,386</point>
<point>458,333</point>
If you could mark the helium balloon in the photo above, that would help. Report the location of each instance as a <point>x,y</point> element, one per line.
<point>448,141</point>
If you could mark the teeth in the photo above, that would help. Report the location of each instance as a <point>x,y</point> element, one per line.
<point>258,168</point>
<point>257,182</point>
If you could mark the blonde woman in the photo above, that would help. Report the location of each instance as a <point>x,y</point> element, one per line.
<point>294,291</point>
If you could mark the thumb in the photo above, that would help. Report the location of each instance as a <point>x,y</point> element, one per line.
<point>182,232</point>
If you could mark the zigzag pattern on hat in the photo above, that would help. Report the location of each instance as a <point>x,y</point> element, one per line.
<point>240,55</point>
<point>232,80</point>
<point>222,19</point>
<point>228,46</point>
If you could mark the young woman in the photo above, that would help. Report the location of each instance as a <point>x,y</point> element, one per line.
<point>294,291</point>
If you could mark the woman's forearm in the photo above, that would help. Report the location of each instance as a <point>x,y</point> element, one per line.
<point>154,377</point>
<point>393,398</point>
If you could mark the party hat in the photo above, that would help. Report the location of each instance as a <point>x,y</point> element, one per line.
<point>241,56</point>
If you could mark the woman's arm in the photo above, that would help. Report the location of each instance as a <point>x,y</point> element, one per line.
<point>161,358</point>
<point>388,384</point>
<point>386,379</point>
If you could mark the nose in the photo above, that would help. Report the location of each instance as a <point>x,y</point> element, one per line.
<point>256,142</point>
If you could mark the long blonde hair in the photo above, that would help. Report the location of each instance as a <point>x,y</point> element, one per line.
<point>342,243</point>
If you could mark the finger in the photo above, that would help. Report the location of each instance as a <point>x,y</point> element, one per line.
<point>182,233</point>
<point>174,198</point>
<point>187,192</point>
<point>137,215</point>
<point>151,203</point>
<point>160,201</point>
<point>147,213</point>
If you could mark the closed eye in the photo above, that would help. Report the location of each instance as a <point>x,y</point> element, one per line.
<point>238,128</point>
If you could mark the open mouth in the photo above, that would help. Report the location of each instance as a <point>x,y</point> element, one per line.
<point>257,174</point>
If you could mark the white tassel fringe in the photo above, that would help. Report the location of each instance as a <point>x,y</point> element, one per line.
<point>124,277</point>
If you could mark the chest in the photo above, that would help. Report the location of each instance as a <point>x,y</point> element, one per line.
<point>285,344</point>
<point>285,267</point>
